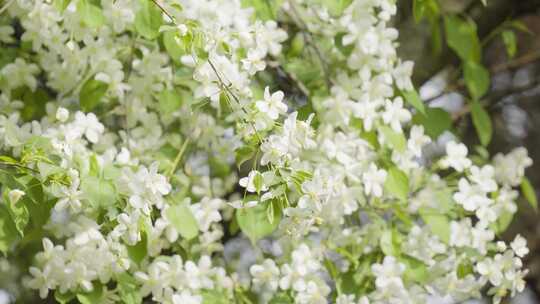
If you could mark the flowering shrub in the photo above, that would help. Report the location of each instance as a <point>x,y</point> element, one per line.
<point>148,154</point>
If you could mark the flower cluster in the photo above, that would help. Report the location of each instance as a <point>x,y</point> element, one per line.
<point>151,154</point>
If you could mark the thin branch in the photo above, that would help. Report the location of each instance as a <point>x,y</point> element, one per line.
<point>308,37</point>
<point>6,6</point>
<point>178,158</point>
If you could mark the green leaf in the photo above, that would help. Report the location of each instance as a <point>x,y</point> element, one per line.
<point>98,191</point>
<point>297,45</point>
<point>214,296</point>
<point>63,298</point>
<point>502,223</point>
<point>425,8</point>
<point>346,50</point>
<point>435,121</point>
<point>397,183</point>
<point>138,252</point>
<point>264,9</point>
<point>8,230</point>
<point>148,20</point>
<point>183,220</point>
<point>18,211</point>
<point>219,167</point>
<point>414,100</point>
<point>415,270</point>
<point>254,221</point>
<point>90,15</point>
<point>169,101</point>
<point>477,79</point>
<point>437,222</point>
<point>461,36</point>
<point>258,182</point>
<point>510,42</point>
<point>389,242</point>
<point>172,45</point>
<point>482,123</point>
<point>34,104</point>
<point>281,298</point>
<point>46,170</point>
<point>528,192</point>
<point>243,154</point>
<point>336,7</point>
<point>464,269</point>
<point>95,296</point>
<point>128,288</point>
<point>520,26</point>
<point>61,5</point>
<point>91,93</point>
<point>395,140</point>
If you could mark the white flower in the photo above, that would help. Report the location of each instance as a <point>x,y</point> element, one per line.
<point>249,181</point>
<point>89,126</point>
<point>254,62</point>
<point>483,177</point>
<point>207,212</point>
<point>265,275</point>
<point>345,299</point>
<point>20,73</point>
<point>417,140</point>
<point>128,226</point>
<point>388,274</point>
<point>402,75</point>
<point>373,180</point>
<point>394,114</point>
<point>15,195</point>
<point>272,105</point>
<point>70,196</point>
<point>510,168</point>
<point>185,297</point>
<point>62,114</point>
<point>519,245</point>
<point>456,157</point>
<point>490,269</point>
<point>470,197</point>
<point>199,274</point>
<point>460,233</point>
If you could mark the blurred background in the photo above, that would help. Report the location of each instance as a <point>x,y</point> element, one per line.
<point>513,100</point>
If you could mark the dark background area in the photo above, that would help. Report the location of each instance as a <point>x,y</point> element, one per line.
<point>513,100</point>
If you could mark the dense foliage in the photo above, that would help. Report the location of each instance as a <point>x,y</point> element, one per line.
<point>220,151</point>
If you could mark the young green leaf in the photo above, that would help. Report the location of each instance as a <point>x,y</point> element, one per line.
<point>529,193</point>
<point>395,140</point>
<point>98,191</point>
<point>18,211</point>
<point>482,123</point>
<point>397,183</point>
<point>92,297</point>
<point>461,36</point>
<point>477,79</point>
<point>172,45</point>
<point>91,15</point>
<point>435,122</point>
<point>91,93</point>
<point>510,42</point>
<point>413,98</point>
<point>244,154</point>
<point>169,101</point>
<point>254,221</point>
<point>425,8</point>
<point>138,252</point>
<point>258,182</point>
<point>438,223</point>
<point>148,20</point>
<point>180,216</point>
